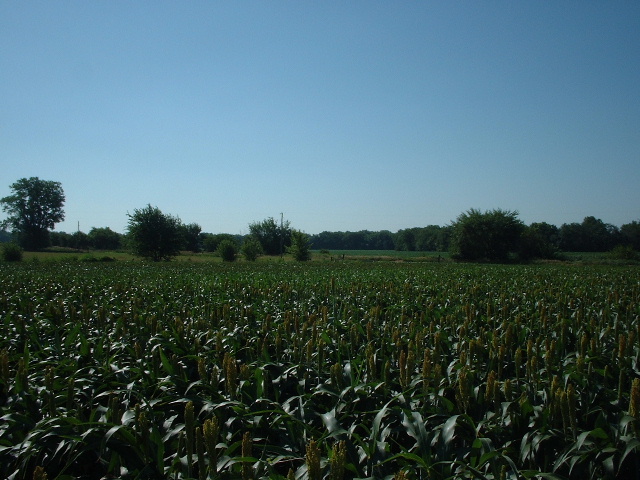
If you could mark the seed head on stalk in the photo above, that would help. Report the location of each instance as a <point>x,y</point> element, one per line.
<point>338,459</point>
<point>202,370</point>
<point>22,375</point>
<point>371,362</point>
<point>247,451</point>
<point>312,459</point>
<point>50,396</point>
<point>336,375</point>
<point>634,399</point>
<point>402,366</point>
<point>231,373</point>
<point>427,368</point>
<point>39,474</point>
<point>4,369</point>
<point>492,394</point>
<point>210,432</point>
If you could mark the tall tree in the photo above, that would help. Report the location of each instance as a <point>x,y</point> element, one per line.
<point>630,233</point>
<point>153,234</point>
<point>300,246</point>
<point>191,234</point>
<point>274,238</point>
<point>34,208</point>
<point>104,238</point>
<point>491,235</point>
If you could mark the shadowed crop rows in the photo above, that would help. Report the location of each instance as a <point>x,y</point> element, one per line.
<point>318,371</point>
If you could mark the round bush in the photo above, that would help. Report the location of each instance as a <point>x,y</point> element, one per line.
<point>12,252</point>
<point>227,250</point>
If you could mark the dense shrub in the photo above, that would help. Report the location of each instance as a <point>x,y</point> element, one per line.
<point>227,250</point>
<point>12,252</point>
<point>251,248</point>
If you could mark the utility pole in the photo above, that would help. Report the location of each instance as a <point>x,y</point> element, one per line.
<point>281,235</point>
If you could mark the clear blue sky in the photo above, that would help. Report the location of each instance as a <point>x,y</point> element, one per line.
<point>343,115</point>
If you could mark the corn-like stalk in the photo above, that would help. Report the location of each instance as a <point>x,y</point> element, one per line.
<point>518,362</point>
<point>465,389</point>
<point>572,406</point>
<point>189,428</point>
<point>427,368</point>
<point>200,454</point>
<point>202,371</point>
<point>142,427</point>
<point>247,451</point>
<point>493,393</point>
<point>210,432</point>
<point>634,399</point>
<point>402,367</point>
<point>336,375</point>
<point>49,377</point>
<point>22,376</point>
<point>4,371</point>
<point>338,460</point>
<point>508,390</point>
<point>312,459</point>
<point>371,362</point>
<point>231,374</point>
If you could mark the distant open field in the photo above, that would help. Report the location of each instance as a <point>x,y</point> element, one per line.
<point>60,254</point>
<point>352,369</point>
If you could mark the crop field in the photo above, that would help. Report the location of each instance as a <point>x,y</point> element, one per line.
<point>323,370</point>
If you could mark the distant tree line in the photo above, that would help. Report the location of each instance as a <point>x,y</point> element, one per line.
<point>35,206</point>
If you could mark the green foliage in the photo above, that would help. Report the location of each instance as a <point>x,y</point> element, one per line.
<point>493,235</point>
<point>12,252</point>
<point>227,250</point>
<point>104,239</point>
<point>592,235</point>
<point>539,240</point>
<point>33,209</point>
<point>153,234</point>
<point>630,234</point>
<point>324,370</point>
<point>274,238</point>
<point>624,252</point>
<point>211,241</point>
<point>191,235</point>
<point>432,238</point>
<point>300,246</point>
<point>251,248</point>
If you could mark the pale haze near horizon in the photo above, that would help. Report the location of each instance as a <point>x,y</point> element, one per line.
<point>340,115</point>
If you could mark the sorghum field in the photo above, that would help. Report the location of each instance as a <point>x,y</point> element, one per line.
<point>319,370</point>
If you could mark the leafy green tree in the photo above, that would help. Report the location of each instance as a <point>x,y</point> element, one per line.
<point>191,234</point>
<point>630,234</point>
<point>300,246</point>
<point>227,250</point>
<point>493,235</point>
<point>34,208</point>
<point>251,248</point>
<point>539,240</point>
<point>211,241</point>
<point>592,235</point>
<point>153,234</point>
<point>80,240</point>
<point>104,239</point>
<point>274,238</point>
